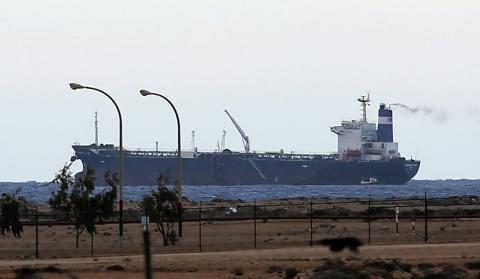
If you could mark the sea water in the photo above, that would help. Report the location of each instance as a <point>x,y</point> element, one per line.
<point>40,193</point>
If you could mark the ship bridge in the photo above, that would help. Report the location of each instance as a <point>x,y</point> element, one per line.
<point>363,140</point>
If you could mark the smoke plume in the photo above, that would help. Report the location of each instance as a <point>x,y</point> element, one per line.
<point>438,115</point>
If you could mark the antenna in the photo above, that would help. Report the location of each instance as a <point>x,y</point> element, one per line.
<point>223,139</point>
<point>364,100</point>
<point>193,140</point>
<point>96,128</point>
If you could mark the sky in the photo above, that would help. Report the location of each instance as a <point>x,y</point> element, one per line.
<point>286,70</point>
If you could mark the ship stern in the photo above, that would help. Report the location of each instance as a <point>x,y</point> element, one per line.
<point>411,168</point>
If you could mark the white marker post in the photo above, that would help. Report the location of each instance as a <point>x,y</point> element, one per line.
<point>397,211</point>
<point>147,248</point>
<point>413,225</point>
<point>145,222</point>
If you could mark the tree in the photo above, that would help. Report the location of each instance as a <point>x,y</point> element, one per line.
<point>11,206</point>
<point>162,208</point>
<point>77,200</point>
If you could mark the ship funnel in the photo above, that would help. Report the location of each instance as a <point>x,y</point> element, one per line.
<point>385,124</point>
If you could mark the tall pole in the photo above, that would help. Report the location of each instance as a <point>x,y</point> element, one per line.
<point>76,86</point>
<point>179,158</point>
<point>96,129</point>
<point>36,232</point>
<point>426,218</point>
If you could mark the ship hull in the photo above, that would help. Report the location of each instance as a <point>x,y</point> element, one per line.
<point>227,168</point>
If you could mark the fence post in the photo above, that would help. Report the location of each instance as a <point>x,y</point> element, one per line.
<point>311,222</point>
<point>426,218</point>
<point>147,253</point>
<point>91,244</point>
<point>36,233</point>
<point>200,227</point>
<point>255,224</point>
<point>369,219</point>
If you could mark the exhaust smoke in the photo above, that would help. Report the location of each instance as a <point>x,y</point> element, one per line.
<point>438,115</point>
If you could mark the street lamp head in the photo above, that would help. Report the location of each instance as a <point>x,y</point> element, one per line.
<point>145,92</point>
<point>76,86</point>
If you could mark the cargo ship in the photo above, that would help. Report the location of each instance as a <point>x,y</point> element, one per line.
<point>366,154</point>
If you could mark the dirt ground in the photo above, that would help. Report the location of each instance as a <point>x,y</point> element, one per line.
<point>225,249</point>
<point>59,241</point>
<point>261,263</point>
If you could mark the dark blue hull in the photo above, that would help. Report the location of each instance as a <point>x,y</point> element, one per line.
<point>248,169</point>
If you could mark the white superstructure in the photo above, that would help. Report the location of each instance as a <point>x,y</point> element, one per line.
<point>361,140</point>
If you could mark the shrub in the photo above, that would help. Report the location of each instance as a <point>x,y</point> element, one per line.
<point>335,269</point>
<point>274,269</point>
<point>115,267</point>
<point>291,272</point>
<point>77,200</point>
<point>162,206</point>
<point>448,272</point>
<point>332,212</point>
<point>424,265</point>
<point>237,271</point>
<point>473,265</point>
<point>11,206</point>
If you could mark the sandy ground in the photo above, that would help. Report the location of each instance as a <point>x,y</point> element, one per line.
<point>251,263</point>
<point>59,241</point>
<point>226,247</point>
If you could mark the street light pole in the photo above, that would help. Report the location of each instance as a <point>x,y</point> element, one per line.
<point>179,156</point>
<point>76,86</point>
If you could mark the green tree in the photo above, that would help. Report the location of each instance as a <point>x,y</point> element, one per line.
<point>76,199</point>
<point>162,208</point>
<point>11,207</point>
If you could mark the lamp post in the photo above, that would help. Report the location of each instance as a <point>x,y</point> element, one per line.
<point>76,86</point>
<point>179,155</point>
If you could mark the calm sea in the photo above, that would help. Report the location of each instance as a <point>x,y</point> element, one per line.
<point>35,191</point>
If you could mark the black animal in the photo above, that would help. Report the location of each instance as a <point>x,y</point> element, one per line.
<point>339,244</point>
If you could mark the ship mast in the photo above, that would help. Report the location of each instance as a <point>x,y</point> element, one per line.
<point>96,128</point>
<point>364,100</point>
<point>193,140</point>
<point>223,139</point>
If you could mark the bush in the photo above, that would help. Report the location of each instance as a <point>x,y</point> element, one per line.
<point>237,271</point>
<point>11,206</point>
<point>424,265</point>
<point>389,266</point>
<point>336,269</point>
<point>291,272</point>
<point>448,272</point>
<point>333,212</point>
<point>274,269</point>
<point>162,206</point>
<point>473,265</point>
<point>115,267</point>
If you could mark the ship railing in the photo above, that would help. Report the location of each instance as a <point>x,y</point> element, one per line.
<point>140,152</point>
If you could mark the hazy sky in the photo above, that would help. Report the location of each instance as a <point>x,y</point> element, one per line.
<point>286,70</point>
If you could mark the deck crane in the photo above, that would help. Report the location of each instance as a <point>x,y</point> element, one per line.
<point>246,141</point>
